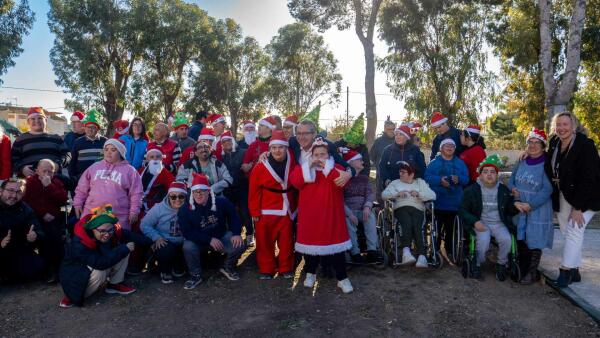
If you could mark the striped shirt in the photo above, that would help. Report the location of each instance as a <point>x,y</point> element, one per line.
<point>85,153</point>
<point>29,148</point>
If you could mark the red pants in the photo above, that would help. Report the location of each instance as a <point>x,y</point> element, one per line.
<point>268,231</point>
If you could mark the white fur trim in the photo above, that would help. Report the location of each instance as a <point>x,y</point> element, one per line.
<point>265,123</point>
<point>308,173</point>
<point>440,122</point>
<point>177,190</point>
<point>328,166</point>
<point>74,118</point>
<point>154,150</point>
<point>289,123</point>
<point>400,131</point>
<point>280,142</point>
<point>447,141</point>
<point>199,186</point>
<point>355,157</point>
<point>219,120</point>
<point>536,136</point>
<point>249,124</point>
<point>323,250</point>
<point>206,137</point>
<point>473,130</point>
<point>34,115</point>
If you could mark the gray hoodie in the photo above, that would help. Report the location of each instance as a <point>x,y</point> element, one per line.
<point>161,221</point>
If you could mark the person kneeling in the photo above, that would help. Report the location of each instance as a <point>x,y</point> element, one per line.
<point>410,195</point>
<point>99,250</point>
<point>488,208</point>
<point>161,225</point>
<point>209,223</point>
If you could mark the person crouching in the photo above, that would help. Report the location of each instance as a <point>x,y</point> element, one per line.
<point>99,250</point>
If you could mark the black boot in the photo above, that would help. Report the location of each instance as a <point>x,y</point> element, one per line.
<point>533,275</point>
<point>575,276</point>
<point>500,272</point>
<point>564,278</point>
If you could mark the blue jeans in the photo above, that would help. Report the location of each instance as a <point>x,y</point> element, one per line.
<point>192,253</point>
<point>370,231</point>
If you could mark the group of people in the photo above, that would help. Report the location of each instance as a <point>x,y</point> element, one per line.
<point>192,190</point>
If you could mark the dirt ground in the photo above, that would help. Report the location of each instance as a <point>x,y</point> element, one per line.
<point>386,302</point>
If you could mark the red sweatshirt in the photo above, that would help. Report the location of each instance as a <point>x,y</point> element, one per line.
<point>5,161</point>
<point>472,157</point>
<point>45,200</point>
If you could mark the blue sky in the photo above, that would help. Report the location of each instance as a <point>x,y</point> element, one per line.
<point>258,18</point>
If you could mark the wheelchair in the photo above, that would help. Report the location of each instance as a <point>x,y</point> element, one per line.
<point>469,255</point>
<point>389,233</point>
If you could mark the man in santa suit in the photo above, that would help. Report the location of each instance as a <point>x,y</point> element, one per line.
<point>169,148</point>
<point>156,179</point>
<point>272,204</point>
<point>249,132</point>
<point>121,128</point>
<point>261,145</point>
<point>206,135</point>
<point>217,123</point>
<point>289,126</point>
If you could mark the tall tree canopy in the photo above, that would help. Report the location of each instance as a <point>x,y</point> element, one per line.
<point>343,14</point>
<point>15,23</point>
<point>230,77</point>
<point>302,70</point>
<point>437,57</point>
<point>96,46</point>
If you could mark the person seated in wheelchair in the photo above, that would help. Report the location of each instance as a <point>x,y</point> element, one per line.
<point>358,202</point>
<point>487,209</point>
<point>410,195</point>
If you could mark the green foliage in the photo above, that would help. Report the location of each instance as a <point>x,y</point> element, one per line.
<point>302,69</point>
<point>437,57</point>
<point>323,14</point>
<point>339,128</point>
<point>587,101</point>
<point>15,23</point>
<point>230,76</point>
<point>313,116</point>
<point>502,132</point>
<point>356,134</point>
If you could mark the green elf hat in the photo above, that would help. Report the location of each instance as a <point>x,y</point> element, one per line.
<point>101,215</point>
<point>313,116</point>
<point>180,120</point>
<point>356,134</point>
<point>91,117</point>
<point>493,161</point>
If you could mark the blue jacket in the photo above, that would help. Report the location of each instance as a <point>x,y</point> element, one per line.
<point>392,155</point>
<point>136,150</point>
<point>448,199</point>
<point>202,224</point>
<point>195,130</point>
<point>452,133</point>
<point>70,138</point>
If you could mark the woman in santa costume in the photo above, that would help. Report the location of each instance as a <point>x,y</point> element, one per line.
<point>272,204</point>
<point>322,234</point>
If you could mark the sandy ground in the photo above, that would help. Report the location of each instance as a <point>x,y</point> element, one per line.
<point>386,302</point>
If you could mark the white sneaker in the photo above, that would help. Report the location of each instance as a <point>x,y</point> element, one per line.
<point>250,240</point>
<point>422,262</point>
<point>345,285</point>
<point>310,280</point>
<point>408,259</point>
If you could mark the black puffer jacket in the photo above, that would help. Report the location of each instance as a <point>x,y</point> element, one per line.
<point>579,174</point>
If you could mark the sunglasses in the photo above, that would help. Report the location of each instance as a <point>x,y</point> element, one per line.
<point>106,232</point>
<point>176,197</point>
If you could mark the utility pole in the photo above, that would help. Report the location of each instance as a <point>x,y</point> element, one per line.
<point>347,106</point>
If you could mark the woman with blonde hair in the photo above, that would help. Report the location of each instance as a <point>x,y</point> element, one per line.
<point>573,165</point>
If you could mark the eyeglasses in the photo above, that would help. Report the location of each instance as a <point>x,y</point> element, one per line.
<point>200,192</point>
<point>106,232</point>
<point>176,197</point>
<point>203,147</point>
<point>17,192</point>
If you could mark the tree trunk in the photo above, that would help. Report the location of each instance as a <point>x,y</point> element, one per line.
<point>558,96</point>
<point>298,93</point>
<point>110,112</point>
<point>371,103</point>
<point>233,115</point>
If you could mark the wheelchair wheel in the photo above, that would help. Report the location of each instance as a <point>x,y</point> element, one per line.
<point>515,271</point>
<point>457,242</point>
<point>383,238</point>
<point>465,268</point>
<point>437,261</point>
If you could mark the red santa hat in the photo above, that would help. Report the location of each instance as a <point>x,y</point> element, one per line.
<point>474,129</point>
<point>117,144</point>
<point>538,134</point>
<point>206,134</point>
<point>291,120</point>
<point>447,141</point>
<point>268,122</point>
<point>437,119</point>
<point>77,116</point>
<point>35,112</point>
<point>215,118</point>
<point>248,123</point>
<point>404,130</point>
<point>278,138</point>
<point>228,136</point>
<point>178,187</point>
<point>121,126</point>
<point>350,155</point>
<point>200,182</point>
<point>154,150</point>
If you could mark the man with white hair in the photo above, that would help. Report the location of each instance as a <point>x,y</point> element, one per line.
<point>169,148</point>
<point>249,132</point>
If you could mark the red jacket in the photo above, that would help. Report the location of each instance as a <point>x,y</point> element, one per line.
<point>254,151</point>
<point>170,150</point>
<point>268,194</point>
<point>472,157</point>
<point>156,192</point>
<point>5,164</point>
<point>45,200</point>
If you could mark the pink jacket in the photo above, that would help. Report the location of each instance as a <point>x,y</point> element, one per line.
<point>117,184</point>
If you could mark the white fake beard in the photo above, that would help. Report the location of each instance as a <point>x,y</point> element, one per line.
<point>155,167</point>
<point>249,137</point>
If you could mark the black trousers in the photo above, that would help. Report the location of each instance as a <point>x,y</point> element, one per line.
<point>337,261</point>
<point>21,265</point>
<point>52,248</point>
<point>445,221</point>
<point>170,257</point>
<point>411,220</point>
